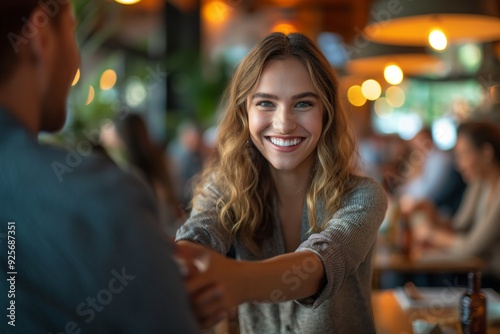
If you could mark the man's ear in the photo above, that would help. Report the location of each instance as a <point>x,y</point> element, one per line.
<point>40,31</point>
<point>41,34</point>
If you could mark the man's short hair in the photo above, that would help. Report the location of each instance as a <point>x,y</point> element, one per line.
<point>16,31</point>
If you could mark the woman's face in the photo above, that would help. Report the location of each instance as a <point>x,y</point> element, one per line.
<point>471,161</point>
<point>285,116</point>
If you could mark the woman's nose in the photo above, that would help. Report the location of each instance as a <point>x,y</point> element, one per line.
<point>284,121</point>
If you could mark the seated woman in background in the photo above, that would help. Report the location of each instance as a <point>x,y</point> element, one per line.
<point>475,229</point>
<point>131,147</point>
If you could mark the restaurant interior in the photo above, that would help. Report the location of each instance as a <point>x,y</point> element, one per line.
<point>410,73</point>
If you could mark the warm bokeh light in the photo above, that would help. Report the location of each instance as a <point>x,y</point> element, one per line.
<point>128,2</point>
<point>471,56</point>
<point>91,95</point>
<point>438,40</point>
<point>355,96</point>
<point>284,27</point>
<point>382,108</point>
<point>395,96</point>
<point>108,79</point>
<point>77,78</point>
<point>393,74</point>
<point>216,12</point>
<point>371,89</point>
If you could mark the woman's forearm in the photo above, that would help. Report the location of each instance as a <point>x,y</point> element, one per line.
<point>284,277</point>
<point>289,276</point>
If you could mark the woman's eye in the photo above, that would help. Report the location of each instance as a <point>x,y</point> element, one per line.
<point>265,104</point>
<point>303,104</point>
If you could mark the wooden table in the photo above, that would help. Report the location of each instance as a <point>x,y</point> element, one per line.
<point>387,260</point>
<point>390,318</point>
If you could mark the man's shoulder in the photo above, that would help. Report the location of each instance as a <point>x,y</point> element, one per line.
<point>77,177</point>
<point>98,179</point>
<point>72,166</point>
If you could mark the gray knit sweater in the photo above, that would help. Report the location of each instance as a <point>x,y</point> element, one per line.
<point>345,248</point>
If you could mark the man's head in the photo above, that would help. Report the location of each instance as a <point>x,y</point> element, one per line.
<point>37,41</point>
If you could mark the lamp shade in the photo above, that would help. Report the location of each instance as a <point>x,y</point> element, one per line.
<point>410,22</point>
<point>373,58</point>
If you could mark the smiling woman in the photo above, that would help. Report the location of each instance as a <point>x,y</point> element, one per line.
<point>285,117</point>
<point>282,192</point>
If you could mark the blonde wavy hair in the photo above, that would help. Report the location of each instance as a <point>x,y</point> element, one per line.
<point>242,174</point>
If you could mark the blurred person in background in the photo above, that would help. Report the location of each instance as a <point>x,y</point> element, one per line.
<point>209,145</point>
<point>379,157</point>
<point>131,146</point>
<point>283,191</point>
<point>434,178</point>
<point>83,240</point>
<point>186,154</point>
<point>475,229</point>
<point>370,150</point>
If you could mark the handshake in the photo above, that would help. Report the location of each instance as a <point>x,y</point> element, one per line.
<point>216,284</point>
<point>212,282</point>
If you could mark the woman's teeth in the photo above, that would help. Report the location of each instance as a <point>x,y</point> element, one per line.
<point>285,142</point>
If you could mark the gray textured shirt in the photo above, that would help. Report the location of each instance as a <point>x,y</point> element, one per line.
<point>345,247</point>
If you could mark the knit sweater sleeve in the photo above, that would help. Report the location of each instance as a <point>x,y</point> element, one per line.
<point>348,237</point>
<point>203,225</point>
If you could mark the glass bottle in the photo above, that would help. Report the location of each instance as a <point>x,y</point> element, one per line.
<point>473,306</point>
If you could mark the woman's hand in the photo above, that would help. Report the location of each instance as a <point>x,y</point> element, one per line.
<point>212,282</point>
